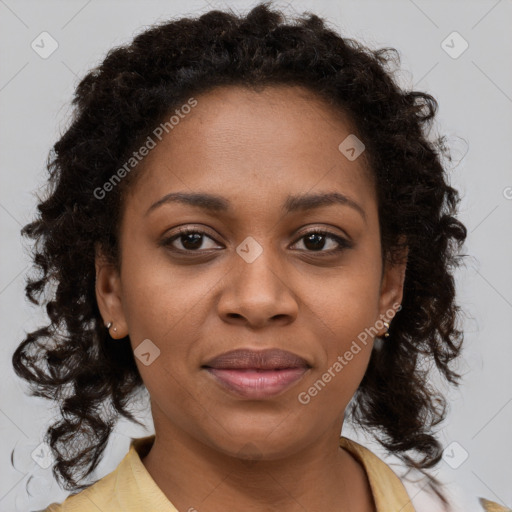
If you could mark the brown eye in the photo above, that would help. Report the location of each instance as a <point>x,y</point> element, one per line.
<point>190,240</point>
<point>316,241</point>
<point>193,240</point>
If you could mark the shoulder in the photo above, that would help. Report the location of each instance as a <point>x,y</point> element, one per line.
<point>129,487</point>
<point>99,494</point>
<point>388,491</point>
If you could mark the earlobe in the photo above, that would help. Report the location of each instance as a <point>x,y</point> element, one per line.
<point>109,296</point>
<point>392,287</point>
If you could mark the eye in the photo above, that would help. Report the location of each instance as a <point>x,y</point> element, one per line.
<point>190,240</point>
<point>315,241</point>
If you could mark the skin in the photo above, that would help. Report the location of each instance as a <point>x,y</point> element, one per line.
<point>212,447</point>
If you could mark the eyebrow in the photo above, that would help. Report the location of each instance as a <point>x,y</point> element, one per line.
<point>215,203</point>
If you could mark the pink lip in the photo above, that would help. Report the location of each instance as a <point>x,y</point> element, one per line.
<point>257,384</point>
<point>249,359</point>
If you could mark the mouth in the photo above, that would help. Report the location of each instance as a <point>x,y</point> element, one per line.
<point>257,374</point>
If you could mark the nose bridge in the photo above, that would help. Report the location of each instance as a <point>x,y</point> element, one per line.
<point>258,289</point>
<point>258,267</point>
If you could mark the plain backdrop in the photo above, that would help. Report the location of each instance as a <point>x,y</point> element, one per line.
<point>473,86</point>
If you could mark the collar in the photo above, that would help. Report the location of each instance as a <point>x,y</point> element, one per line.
<point>387,488</point>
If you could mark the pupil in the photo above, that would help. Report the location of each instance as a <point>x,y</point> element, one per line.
<point>315,236</point>
<point>196,240</point>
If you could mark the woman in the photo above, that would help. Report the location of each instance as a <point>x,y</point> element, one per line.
<point>247,219</point>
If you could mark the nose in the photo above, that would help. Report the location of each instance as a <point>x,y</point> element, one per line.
<point>258,293</point>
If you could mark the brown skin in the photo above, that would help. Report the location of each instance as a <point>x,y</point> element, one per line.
<point>253,148</point>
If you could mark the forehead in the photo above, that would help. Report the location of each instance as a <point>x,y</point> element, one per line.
<point>241,142</point>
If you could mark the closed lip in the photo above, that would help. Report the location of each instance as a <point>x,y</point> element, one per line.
<point>268,359</point>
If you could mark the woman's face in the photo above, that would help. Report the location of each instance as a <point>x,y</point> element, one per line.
<point>251,277</point>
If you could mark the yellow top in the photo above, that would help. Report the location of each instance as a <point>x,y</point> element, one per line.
<point>130,488</point>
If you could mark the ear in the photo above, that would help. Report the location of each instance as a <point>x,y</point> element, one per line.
<point>109,294</point>
<point>392,286</point>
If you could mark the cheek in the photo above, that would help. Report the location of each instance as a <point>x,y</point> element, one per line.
<point>325,397</point>
<point>345,314</point>
<point>347,352</point>
<point>157,301</point>
<point>347,343</point>
<point>167,306</point>
<point>346,305</point>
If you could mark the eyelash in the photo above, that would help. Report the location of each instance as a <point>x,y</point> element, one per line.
<point>342,242</point>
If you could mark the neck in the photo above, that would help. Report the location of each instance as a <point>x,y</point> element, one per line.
<point>320,476</point>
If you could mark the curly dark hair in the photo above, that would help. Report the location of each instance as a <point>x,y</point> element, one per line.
<point>73,361</point>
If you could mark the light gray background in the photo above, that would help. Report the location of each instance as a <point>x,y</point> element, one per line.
<point>475,96</point>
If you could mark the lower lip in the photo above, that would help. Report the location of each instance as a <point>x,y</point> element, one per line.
<point>257,384</point>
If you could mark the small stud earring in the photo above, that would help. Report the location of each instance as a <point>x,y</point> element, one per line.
<point>109,325</point>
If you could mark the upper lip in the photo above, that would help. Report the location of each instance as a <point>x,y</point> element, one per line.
<point>269,359</point>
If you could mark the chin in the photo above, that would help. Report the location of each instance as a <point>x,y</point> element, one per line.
<point>257,442</point>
